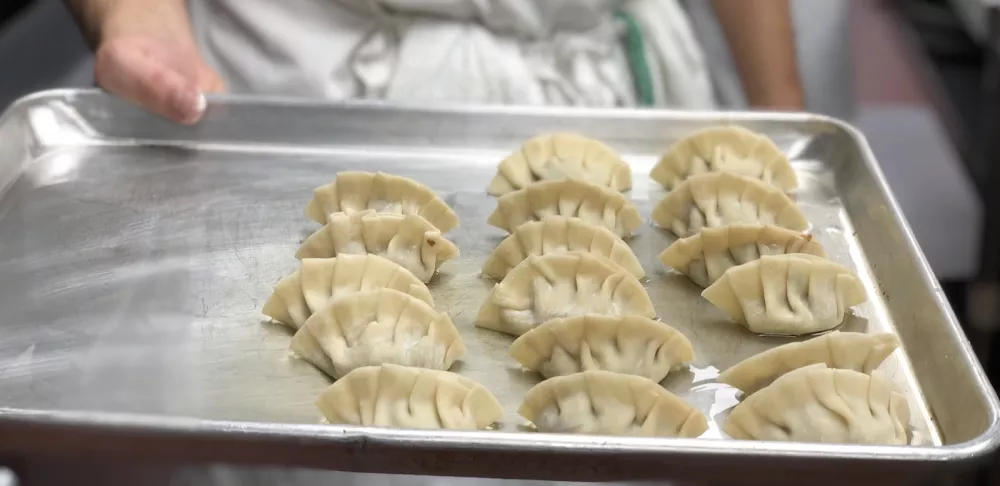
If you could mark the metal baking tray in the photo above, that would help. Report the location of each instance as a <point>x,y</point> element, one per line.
<point>135,257</point>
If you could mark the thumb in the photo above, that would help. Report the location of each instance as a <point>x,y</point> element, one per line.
<point>140,76</point>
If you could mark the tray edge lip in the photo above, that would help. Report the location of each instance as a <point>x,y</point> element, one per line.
<point>989,439</point>
<point>308,103</point>
<point>326,435</point>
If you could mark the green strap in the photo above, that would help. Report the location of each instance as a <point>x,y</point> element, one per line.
<point>635,51</point>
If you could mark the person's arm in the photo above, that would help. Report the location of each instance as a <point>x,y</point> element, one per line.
<point>762,40</point>
<point>146,53</point>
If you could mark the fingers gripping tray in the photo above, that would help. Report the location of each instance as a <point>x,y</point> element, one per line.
<point>136,256</point>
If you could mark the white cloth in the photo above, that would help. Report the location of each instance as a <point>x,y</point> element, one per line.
<point>527,52</point>
<point>677,64</point>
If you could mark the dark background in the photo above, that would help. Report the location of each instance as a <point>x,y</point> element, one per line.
<point>8,8</point>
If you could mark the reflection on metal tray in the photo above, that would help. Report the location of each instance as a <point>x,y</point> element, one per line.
<point>135,257</point>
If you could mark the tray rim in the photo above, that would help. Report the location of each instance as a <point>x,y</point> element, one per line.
<point>11,419</point>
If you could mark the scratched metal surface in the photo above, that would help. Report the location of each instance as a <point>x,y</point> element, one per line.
<point>135,258</point>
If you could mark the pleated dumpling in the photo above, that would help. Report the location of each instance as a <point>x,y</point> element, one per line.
<point>557,234</point>
<point>561,285</point>
<point>318,280</point>
<point>354,191</point>
<point>594,204</point>
<point>720,199</point>
<point>787,294</point>
<point>414,398</point>
<point>409,240</point>
<point>606,403</point>
<point>820,404</point>
<point>561,156</point>
<point>376,327</point>
<point>844,350</point>
<point>631,345</point>
<point>705,256</point>
<point>725,149</point>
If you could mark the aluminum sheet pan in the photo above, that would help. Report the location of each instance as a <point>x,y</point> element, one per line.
<point>135,257</point>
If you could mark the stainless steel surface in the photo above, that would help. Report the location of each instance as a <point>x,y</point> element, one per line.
<point>135,257</point>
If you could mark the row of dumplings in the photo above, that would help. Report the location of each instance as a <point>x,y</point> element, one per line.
<point>363,314</point>
<point>569,290</point>
<point>741,235</point>
<point>741,238</point>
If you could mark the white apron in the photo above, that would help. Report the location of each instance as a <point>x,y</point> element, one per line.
<point>528,52</point>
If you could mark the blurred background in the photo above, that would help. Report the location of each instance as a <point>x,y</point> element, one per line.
<point>920,78</point>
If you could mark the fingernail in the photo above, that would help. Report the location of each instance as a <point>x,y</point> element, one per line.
<point>189,104</point>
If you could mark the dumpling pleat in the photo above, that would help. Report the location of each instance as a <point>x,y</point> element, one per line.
<point>408,240</point>
<point>719,199</point>
<point>375,327</point>
<point>787,294</point>
<point>820,404</point>
<point>398,396</point>
<point>560,156</point>
<point>601,402</point>
<point>354,191</point>
<point>569,198</point>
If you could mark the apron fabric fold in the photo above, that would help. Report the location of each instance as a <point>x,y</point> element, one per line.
<point>598,53</point>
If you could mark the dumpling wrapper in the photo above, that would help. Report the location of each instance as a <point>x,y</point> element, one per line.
<point>354,191</point>
<point>561,156</point>
<point>721,199</point>
<point>408,240</point>
<point>606,403</point>
<point>843,350</point>
<point>561,285</point>
<point>318,280</point>
<point>632,345</point>
<point>705,256</point>
<point>560,234</point>
<point>414,398</point>
<point>725,149</point>
<point>790,294</point>
<point>376,327</point>
<point>820,404</point>
<point>594,204</point>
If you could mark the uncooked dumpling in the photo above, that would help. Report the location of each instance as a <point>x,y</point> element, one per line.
<point>354,191</point>
<point>721,198</point>
<point>307,348</point>
<point>631,345</point>
<point>415,398</point>
<point>594,204</point>
<point>705,256</point>
<point>561,156</point>
<point>561,285</point>
<point>560,234</point>
<point>376,327</point>
<point>318,280</point>
<point>787,294</point>
<point>409,240</point>
<point>844,350</point>
<point>820,404</point>
<point>725,149</point>
<point>606,403</point>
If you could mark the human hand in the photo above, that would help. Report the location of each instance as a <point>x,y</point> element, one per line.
<point>149,57</point>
